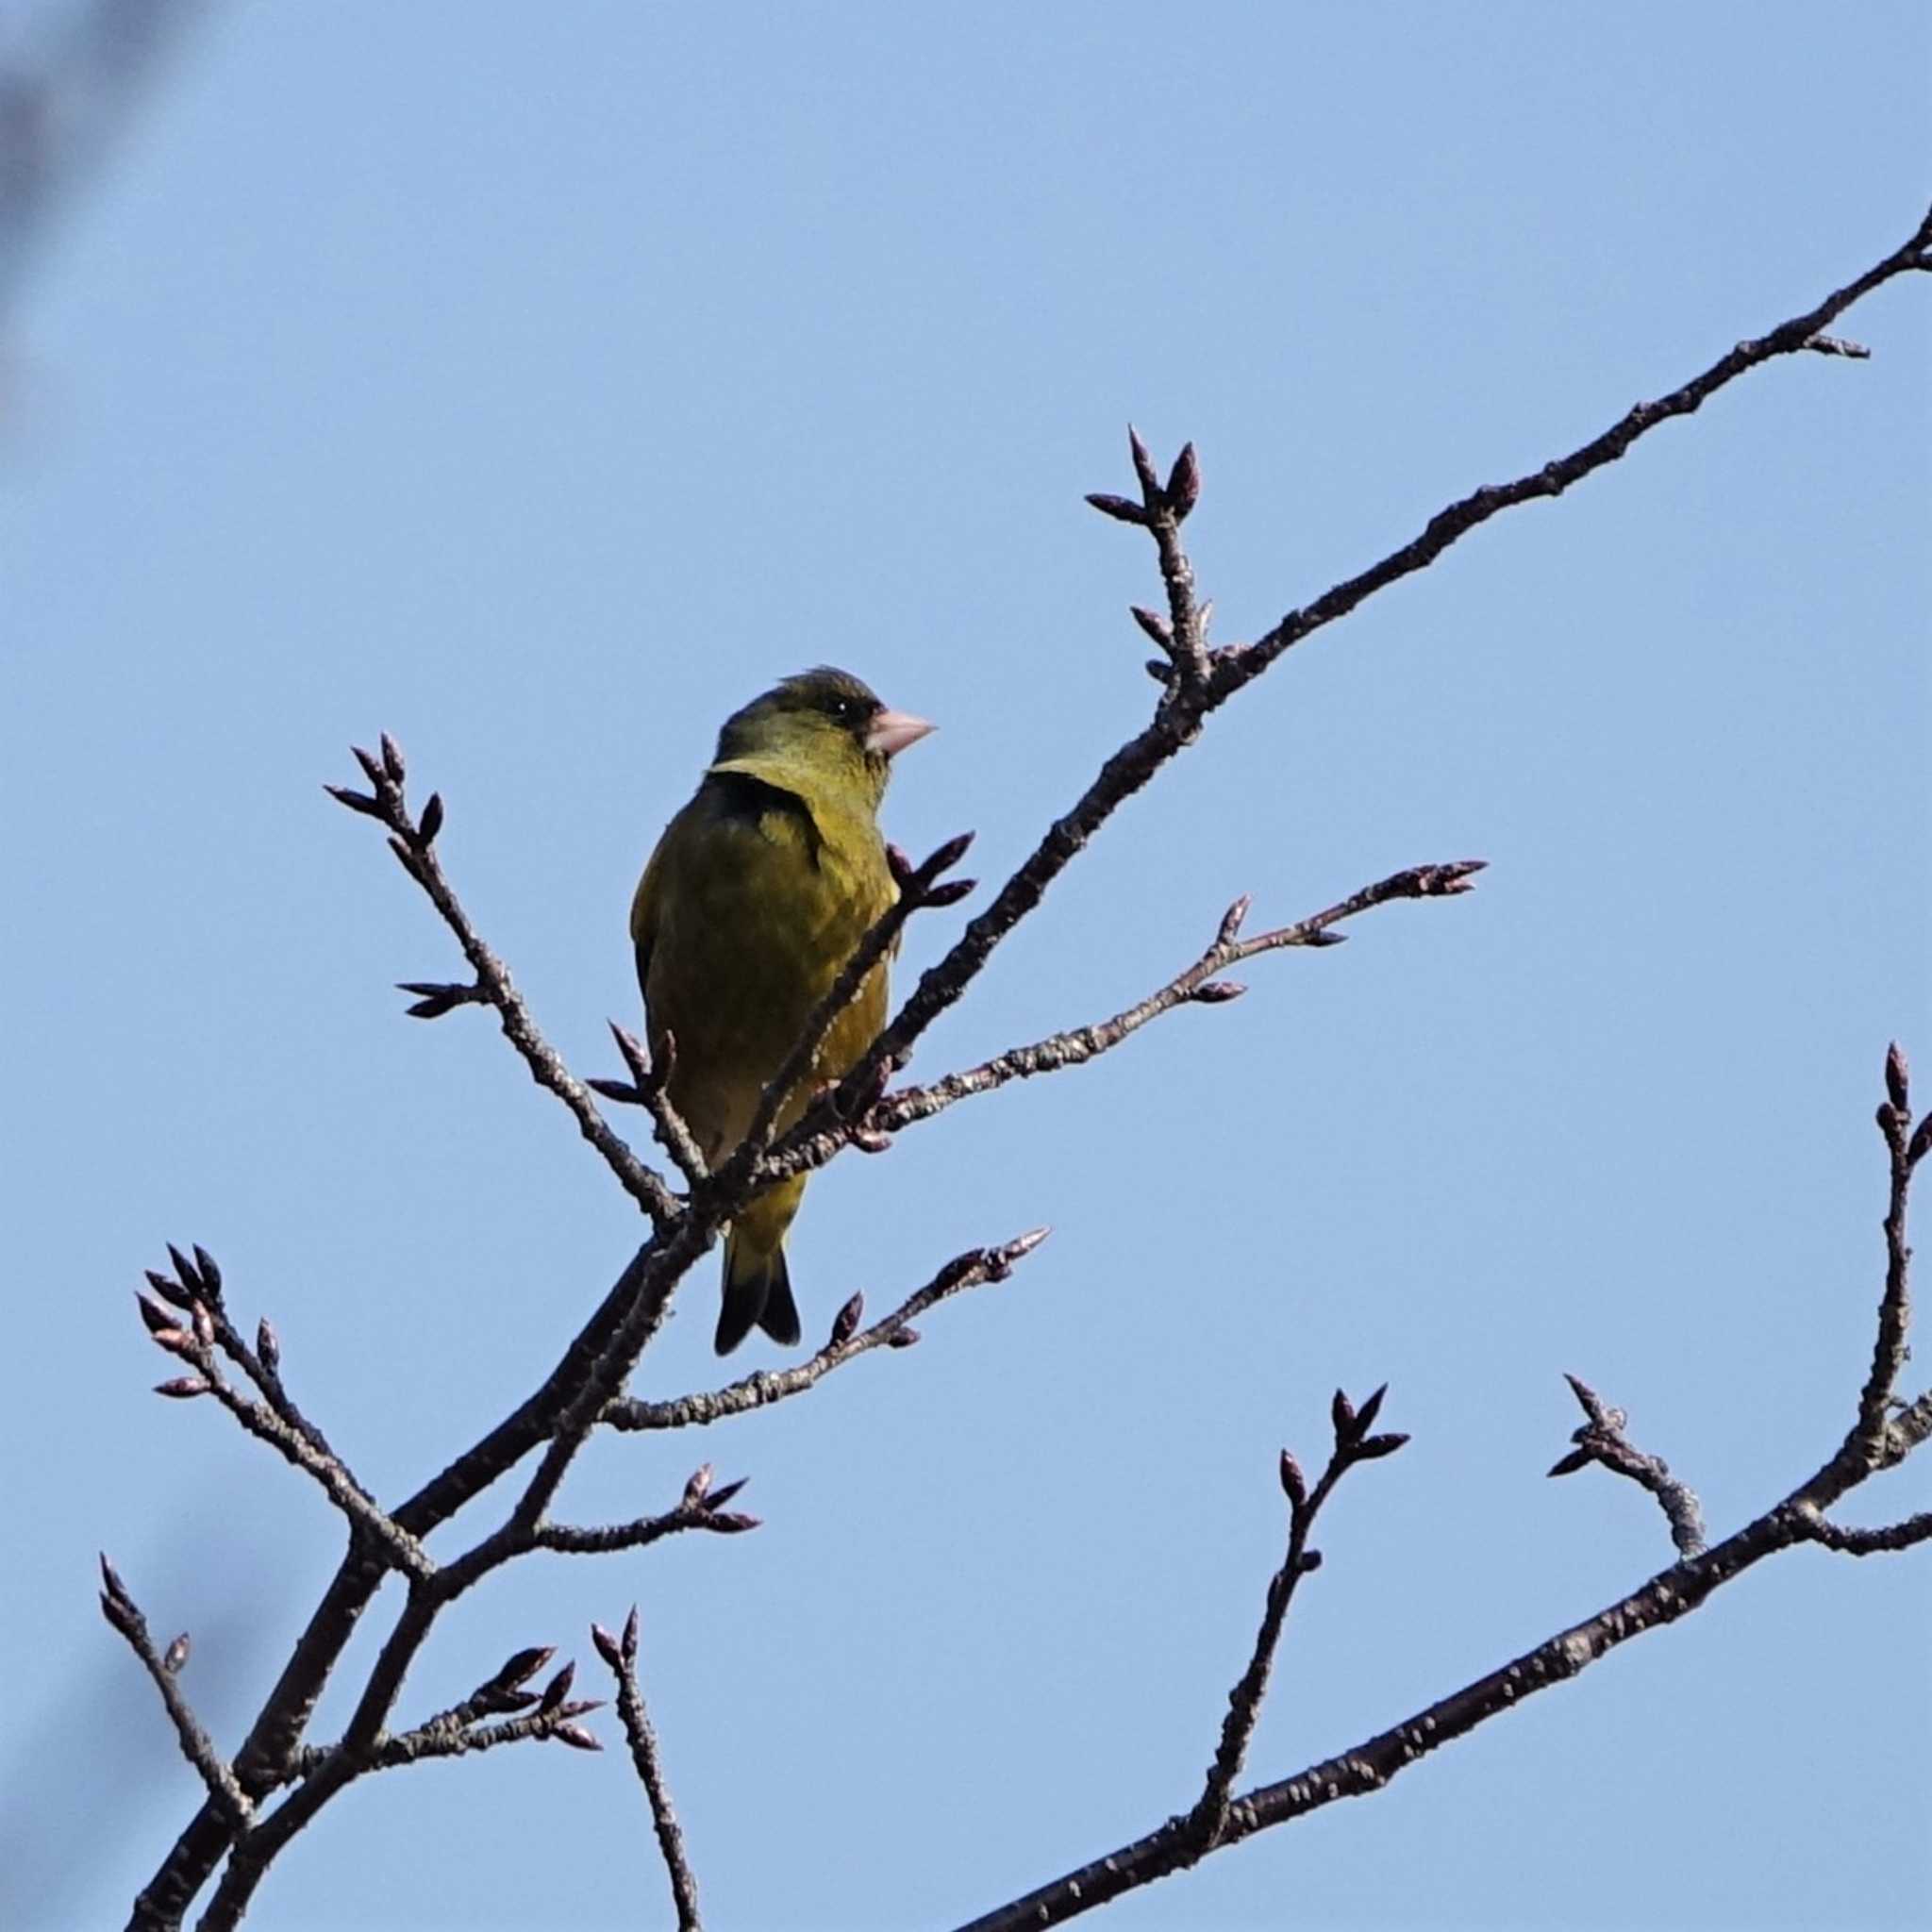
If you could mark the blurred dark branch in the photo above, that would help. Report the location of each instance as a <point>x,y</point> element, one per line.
<point>847,1342</point>
<point>621,1654</point>
<point>1667,1596</point>
<point>414,841</point>
<point>123,1613</point>
<point>1600,1439</point>
<point>67,92</point>
<point>1197,983</point>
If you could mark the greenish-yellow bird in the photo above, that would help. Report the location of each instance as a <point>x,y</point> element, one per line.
<point>754,900</point>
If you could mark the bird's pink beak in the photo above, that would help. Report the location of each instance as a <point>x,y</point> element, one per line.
<point>891,732</point>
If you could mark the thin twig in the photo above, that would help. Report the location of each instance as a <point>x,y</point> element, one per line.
<point>1600,1439</point>
<point>1352,1444</point>
<point>1872,1441</point>
<point>599,1540</point>
<point>1666,1597</point>
<point>414,841</point>
<point>848,1341</point>
<point>123,1614</point>
<point>1197,983</point>
<point>276,1421</point>
<point>1801,333</point>
<point>1849,1541</point>
<point>621,1654</point>
<point>649,1089</point>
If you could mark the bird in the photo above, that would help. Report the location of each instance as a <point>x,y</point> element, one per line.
<point>751,902</point>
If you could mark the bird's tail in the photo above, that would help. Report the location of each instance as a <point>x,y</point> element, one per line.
<point>758,1284</point>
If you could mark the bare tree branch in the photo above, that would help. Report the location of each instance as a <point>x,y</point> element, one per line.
<point>847,1342</point>
<point>1198,983</point>
<point>1601,1439</point>
<point>276,1421</point>
<point>698,1511</point>
<point>413,843</point>
<point>123,1613</point>
<point>647,1089</point>
<point>1867,1542</point>
<point>1667,1596</point>
<point>1178,719</point>
<point>1236,668</point>
<point>1352,1444</point>
<point>621,1654</point>
<point>593,1372</point>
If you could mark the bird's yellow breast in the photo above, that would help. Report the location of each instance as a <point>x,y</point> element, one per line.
<point>750,906</point>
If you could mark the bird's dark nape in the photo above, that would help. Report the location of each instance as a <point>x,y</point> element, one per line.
<point>758,1294</point>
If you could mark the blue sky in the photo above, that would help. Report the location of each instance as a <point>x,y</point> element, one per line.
<point>538,384</point>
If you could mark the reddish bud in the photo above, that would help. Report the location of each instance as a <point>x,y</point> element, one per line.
<point>719,1497</point>
<point>158,1319</point>
<point>1183,490</point>
<point>1217,992</point>
<point>176,1655</point>
<point>947,856</point>
<point>606,1646</point>
<point>951,893</point>
<point>902,1338</point>
<point>1897,1077</point>
<point>1569,1464</point>
<point>1372,1446</point>
<point>392,760</point>
<point>371,766</point>
<point>1365,1416</point>
<point>1119,507</point>
<point>268,1345</point>
<point>698,1482</point>
<point>1293,1485</point>
<point>170,1291</point>
<point>1310,1562</point>
<point>431,822</point>
<point>182,1387</point>
<point>576,1738</point>
<point>1144,463</point>
<point>1153,623</point>
<point>630,1636</point>
<point>729,1523</point>
<point>356,801</point>
<point>845,1322</point>
<point>557,1690</point>
<point>522,1665</point>
<point>1341,1414</point>
<point>111,1578</point>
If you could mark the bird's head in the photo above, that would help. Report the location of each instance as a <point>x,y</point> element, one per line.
<point>824,720</point>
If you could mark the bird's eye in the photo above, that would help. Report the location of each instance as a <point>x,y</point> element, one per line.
<point>844,709</point>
